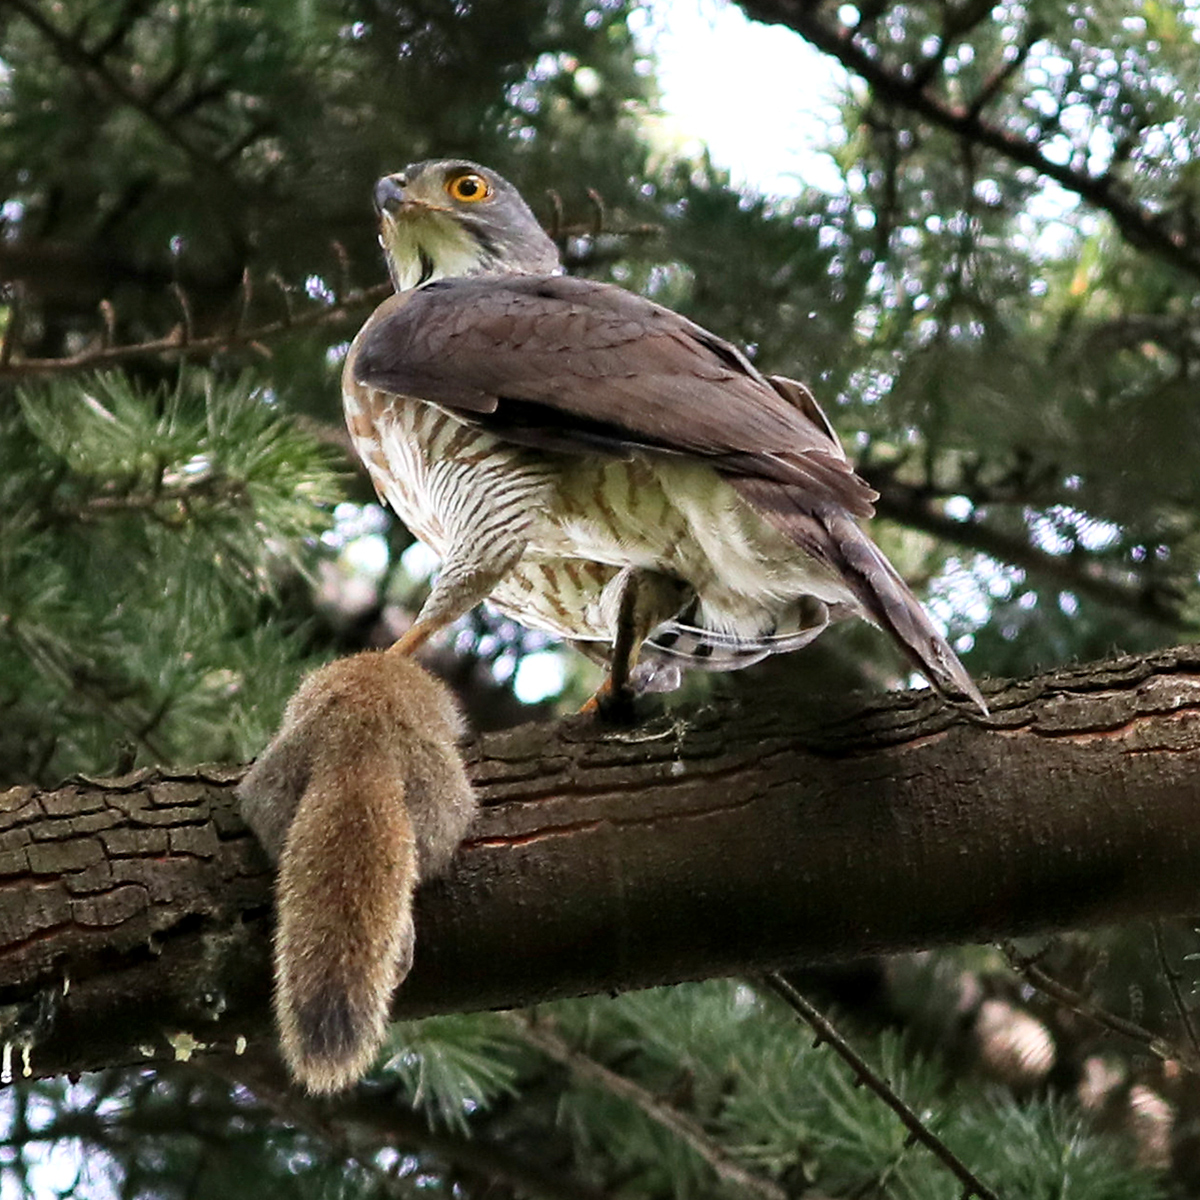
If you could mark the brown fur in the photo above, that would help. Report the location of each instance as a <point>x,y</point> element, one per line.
<point>360,795</point>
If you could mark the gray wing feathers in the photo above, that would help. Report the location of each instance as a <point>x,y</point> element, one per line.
<point>798,395</point>
<point>545,360</point>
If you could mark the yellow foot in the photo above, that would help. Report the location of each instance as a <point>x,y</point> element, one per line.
<point>614,705</point>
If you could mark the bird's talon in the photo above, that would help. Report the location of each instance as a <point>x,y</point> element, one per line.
<point>618,709</point>
<point>613,706</point>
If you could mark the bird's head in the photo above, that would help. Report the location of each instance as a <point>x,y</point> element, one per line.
<point>450,217</point>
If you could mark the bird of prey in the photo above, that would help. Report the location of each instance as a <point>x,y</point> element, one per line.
<point>597,465</point>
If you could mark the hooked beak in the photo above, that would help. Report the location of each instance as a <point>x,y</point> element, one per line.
<point>393,200</point>
<point>389,195</point>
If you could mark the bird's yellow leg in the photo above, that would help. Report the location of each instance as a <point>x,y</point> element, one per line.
<point>417,634</point>
<point>644,601</point>
<point>614,697</point>
<point>468,575</point>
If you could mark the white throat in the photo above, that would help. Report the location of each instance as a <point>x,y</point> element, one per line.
<point>431,248</point>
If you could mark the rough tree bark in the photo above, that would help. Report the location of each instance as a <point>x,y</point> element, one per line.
<point>134,913</point>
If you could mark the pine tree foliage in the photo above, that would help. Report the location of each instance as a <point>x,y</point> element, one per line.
<point>775,1104</point>
<point>791,1109</point>
<point>451,1066</point>
<point>997,308</point>
<point>171,1135</point>
<point>145,534</point>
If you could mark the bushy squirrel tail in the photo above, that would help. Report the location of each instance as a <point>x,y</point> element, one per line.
<point>344,937</point>
<point>360,795</point>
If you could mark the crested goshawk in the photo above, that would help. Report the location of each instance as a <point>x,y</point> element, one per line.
<point>597,465</point>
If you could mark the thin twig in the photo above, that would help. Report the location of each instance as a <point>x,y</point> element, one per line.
<point>286,292</point>
<point>173,344</point>
<point>246,291</point>
<point>556,214</point>
<point>185,309</point>
<point>342,287</point>
<point>12,331</point>
<point>597,202</point>
<point>1158,1046</point>
<point>223,493</point>
<point>108,315</point>
<point>588,229</point>
<point>919,1132</point>
<point>541,1037</point>
<point>1173,978</point>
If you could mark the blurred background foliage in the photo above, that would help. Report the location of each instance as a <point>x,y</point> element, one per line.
<point>998,307</point>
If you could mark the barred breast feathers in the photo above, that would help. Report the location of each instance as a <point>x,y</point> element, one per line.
<point>446,479</point>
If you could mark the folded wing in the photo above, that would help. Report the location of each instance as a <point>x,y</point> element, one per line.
<point>576,366</point>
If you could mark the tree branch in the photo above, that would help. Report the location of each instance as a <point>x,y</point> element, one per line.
<point>360,1123</point>
<point>918,1131</point>
<point>1144,228</point>
<point>542,1036</point>
<point>1174,976</point>
<point>343,315</point>
<point>95,70</point>
<point>52,267</point>
<point>1154,1044</point>
<point>918,509</point>
<point>134,917</point>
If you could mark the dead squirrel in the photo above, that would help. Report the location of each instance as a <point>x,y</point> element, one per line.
<point>360,795</point>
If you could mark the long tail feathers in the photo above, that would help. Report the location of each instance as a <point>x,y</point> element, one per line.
<point>835,539</point>
<point>890,602</point>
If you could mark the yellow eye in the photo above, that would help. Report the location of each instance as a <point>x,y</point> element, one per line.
<point>468,187</point>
